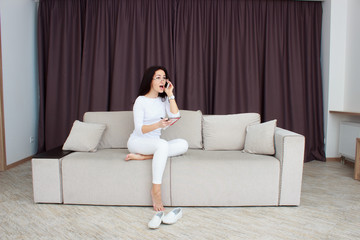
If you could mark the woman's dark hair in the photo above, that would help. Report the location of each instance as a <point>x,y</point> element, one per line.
<point>148,76</point>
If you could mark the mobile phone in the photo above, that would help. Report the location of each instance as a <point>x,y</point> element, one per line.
<point>166,85</point>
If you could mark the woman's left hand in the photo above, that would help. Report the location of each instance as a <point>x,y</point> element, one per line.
<point>169,89</point>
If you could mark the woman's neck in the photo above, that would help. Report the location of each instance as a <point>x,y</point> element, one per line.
<point>152,94</point>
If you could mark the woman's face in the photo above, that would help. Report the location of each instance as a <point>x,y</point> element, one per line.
<point>158,82</point>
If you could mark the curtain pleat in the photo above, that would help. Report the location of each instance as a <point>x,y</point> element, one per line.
<point>253,56</point>
<point>223,56</point>
<point>59,53</point>
<point>92,55</point>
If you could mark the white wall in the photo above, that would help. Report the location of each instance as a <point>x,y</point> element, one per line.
<point>352,78</point>
<point>325,58</point>
<point>18,35</point>
<point>340,66</point>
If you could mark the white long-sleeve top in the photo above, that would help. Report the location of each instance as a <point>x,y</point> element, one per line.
<point>148,111</point>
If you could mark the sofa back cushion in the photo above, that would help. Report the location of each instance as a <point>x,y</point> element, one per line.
<point>188,128</point>
<point>227,132</point>
<point>119,126</point>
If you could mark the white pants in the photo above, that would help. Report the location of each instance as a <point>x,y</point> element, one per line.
<point>161,149</point>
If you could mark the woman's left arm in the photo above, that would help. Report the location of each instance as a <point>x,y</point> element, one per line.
<point>173,105</point>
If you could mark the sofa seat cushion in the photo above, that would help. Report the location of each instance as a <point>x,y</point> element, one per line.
<point>224,178</point>
<point>105,178</point>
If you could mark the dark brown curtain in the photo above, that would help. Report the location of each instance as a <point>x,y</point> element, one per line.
<point>92,55</point>
<point>224,56</point>
<point>253,56</point>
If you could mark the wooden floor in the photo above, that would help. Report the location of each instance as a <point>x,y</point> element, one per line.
<point>330,209</point>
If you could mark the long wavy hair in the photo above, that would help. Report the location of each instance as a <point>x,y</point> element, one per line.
<point>146,81</point>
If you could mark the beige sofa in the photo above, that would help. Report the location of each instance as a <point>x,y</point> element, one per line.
<point>214,172</point>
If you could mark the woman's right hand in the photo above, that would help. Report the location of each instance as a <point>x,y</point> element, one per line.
<point>164,123</point>
<point>161,124</point>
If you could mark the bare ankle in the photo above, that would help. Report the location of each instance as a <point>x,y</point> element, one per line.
<point>156,186</point>
<point>156,197</point>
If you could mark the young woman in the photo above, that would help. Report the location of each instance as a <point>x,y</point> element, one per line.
<point>154,103</point>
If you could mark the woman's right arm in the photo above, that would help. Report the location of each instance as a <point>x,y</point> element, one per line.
<point>161,124</point>
<point>138,118</point>
<point>150,128</point>
<point>140,128</point>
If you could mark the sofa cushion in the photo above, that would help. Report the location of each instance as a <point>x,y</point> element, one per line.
<point>84,137</point>
<point>105,178</point>
<point>227,132</point>
<point>120,124</point>
<point>260,138</point>
<point>188,128</point>
<point>224,178</point>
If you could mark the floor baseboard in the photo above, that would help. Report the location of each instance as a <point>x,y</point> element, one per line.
<point>333,159</point>
<point>18,163</point>
<point>341,160</point>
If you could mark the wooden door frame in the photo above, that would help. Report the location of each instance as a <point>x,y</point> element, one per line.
<point>2,125</point>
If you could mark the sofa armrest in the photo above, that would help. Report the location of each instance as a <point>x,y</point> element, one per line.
<point>53,153</point>
<point>289,149</point>
<point>46,175</point>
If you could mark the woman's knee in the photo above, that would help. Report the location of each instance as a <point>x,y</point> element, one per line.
<point>184,144</point>
<point>178,147</point>
<point>162,144</point>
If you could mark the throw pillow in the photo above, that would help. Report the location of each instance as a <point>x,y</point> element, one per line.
<point>260,138</point>
<point>227,132</point>
<point>188,128</point>
<point>84,137</point>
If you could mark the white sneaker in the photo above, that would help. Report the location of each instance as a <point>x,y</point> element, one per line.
<point>156,220</point>
<point>173,216</point>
